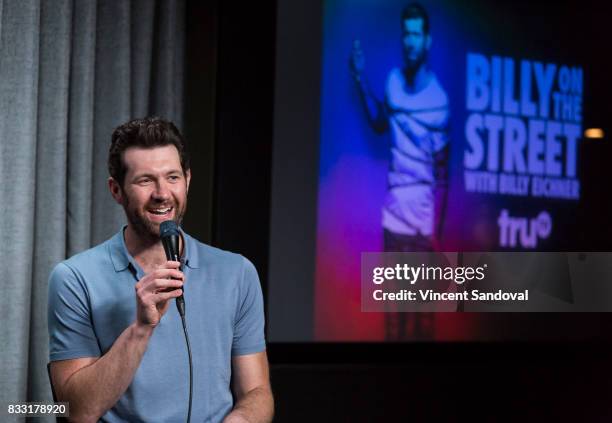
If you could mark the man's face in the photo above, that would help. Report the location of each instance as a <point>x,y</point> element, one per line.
<point>154,189</point>
<point>415,43</point>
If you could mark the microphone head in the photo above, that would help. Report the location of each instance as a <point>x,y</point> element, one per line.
<point>169,235</point>
<point>168,228</point>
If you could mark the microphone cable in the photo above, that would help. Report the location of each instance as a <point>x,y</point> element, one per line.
<point>180,304</point>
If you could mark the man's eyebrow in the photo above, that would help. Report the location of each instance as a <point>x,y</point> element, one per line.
<point>143,175</point>
<point>153,175</point>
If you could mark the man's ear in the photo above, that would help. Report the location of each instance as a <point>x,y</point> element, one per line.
<point>427,42</point>
<point>115,190</point>
<point>188,178</point>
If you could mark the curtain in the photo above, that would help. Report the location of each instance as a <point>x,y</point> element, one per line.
<point>70,72</point>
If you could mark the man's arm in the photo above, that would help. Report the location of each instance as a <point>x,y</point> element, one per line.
<point>93,385</point>
<point>251,385</point>
<point>375,110</point>
<point>440,193</point>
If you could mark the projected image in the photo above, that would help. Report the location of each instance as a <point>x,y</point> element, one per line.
<point>415,112</point>
<point>436,136</point>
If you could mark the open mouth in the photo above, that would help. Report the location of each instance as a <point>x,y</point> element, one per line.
<point>161,211</point>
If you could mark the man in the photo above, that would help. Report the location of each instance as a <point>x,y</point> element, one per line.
<point>415,109</point>
<point>117,347</point>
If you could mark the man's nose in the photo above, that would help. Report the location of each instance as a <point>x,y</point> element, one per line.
<point>162,192</point>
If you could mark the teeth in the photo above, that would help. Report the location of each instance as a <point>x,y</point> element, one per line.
<point>161,211</point>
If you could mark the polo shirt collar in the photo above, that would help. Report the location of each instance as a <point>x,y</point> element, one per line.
<point>118,252</point>
<point>190,255</point>
<point>121,258</point>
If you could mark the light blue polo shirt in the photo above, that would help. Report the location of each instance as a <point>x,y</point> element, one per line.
<point>92,301</point>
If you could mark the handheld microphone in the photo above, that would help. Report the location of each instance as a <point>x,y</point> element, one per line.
<point>169,234</point>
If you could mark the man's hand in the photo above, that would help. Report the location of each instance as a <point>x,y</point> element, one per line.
<point>357,60</point>
<point>154,290</point>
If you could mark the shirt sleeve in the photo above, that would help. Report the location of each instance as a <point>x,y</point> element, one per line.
<point>71,333</point>
<point>249,321</point>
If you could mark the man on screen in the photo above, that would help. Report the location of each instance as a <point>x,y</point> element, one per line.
<point>415,110</point>
<point>117,347</point>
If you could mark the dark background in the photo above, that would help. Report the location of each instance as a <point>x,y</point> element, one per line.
<point>230,92</point>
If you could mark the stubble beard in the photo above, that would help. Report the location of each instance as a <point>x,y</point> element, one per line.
<point>412,66</point>
<point>147,230</point>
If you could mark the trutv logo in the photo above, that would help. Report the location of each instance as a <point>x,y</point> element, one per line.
<point>523,231</point>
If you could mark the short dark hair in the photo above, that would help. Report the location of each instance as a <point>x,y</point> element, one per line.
<point>416,11</point>
<point>149,132</point>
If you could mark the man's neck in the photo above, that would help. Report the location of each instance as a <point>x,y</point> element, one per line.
<point>416,79</point>
<point>147,251</point>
